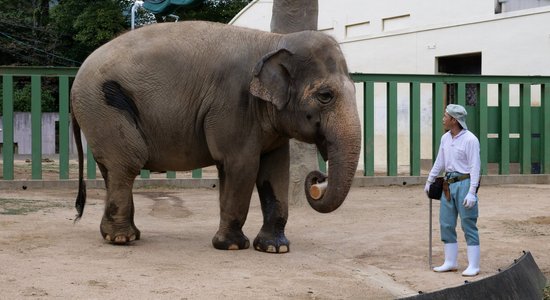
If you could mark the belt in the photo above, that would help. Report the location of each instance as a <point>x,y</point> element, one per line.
<point>458,178</point>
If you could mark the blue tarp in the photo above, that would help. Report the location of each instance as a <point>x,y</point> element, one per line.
<point>164,7</point>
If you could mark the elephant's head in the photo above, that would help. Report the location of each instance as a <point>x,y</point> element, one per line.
<point>307,81</point>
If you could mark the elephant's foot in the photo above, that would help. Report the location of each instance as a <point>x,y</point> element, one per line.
<point>231,240</point>
<point>119,234</point>
<point>271,242</point>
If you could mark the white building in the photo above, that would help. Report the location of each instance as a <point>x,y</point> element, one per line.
<point>488,37</point>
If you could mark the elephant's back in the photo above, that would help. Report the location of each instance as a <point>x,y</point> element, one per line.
<point>154,54</point>
<point>194,42</point>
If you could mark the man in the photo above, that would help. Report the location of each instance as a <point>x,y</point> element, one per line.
<point>459,157</point>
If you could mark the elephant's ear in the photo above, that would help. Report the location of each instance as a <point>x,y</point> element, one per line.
<point>271,79</point>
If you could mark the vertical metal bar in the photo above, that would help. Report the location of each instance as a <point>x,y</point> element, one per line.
<point>63,127</point>
<point>461,93</point>
<point>525,128</point>
<point>504,134</point>
<point>36,127</point>
<point>391,129</point>
<point>171,174</point>
<point>7,127</point>
<point>545,120</point>
<point>438,99</point>
<point>414,125</point>
<point>322,163</point>
<point>430,237</point>
<point>90,164</point>
<point>483,111</point>
<point>145,174</point>
<point>197,173</point>
<point>368,130</point>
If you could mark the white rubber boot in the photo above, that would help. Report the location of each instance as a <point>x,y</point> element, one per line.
<point>451,254</point>
<point>473,261</point>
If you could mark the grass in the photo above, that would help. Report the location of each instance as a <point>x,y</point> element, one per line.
<point>547,293</point>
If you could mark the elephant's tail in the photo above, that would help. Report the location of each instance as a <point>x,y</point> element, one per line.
<point>81,198</point>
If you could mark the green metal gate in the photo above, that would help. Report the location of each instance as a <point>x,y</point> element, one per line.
<point>508,134</point>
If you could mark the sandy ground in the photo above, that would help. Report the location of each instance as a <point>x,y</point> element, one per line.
<point>373,247</point>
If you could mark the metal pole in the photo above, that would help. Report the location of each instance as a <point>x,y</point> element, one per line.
<point>430,237</point>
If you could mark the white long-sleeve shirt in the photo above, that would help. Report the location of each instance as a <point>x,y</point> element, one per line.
<point>459,154</point>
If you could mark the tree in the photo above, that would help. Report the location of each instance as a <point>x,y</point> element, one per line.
<point>214,10</point>
<point>32,33</point>
<point>84,25</point>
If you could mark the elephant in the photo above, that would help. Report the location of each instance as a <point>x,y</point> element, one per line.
<point>187,95</point>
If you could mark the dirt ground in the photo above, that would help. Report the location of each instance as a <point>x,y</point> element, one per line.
<point>373,247</point>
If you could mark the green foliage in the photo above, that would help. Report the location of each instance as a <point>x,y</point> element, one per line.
<point>22,99</point>
<point>32,33</point>
<point>83,26</point>
<point>214,10</point>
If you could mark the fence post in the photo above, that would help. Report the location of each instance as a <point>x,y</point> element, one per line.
<point>90,164</point>
<point>483,127</point>
<point>36,126</point>
<point>504,134</point>
<point>7,127</point>
<point>437,110</point>
<point>197,173</point>
<point>145,174</point>
<point>525,128</point>
<point>391,129</point>
<point>368,128</point>
<point>64,127</point>
<point>545,142</point>
<point>414,143</point>
<point>461,93</point>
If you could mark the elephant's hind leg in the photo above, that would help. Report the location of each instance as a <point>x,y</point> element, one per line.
<point>117,224</point>
<point>120,149</point>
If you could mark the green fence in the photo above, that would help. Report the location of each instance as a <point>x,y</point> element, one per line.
<point>508,134</point>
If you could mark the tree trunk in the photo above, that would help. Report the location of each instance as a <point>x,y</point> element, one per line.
<point>293,16</point>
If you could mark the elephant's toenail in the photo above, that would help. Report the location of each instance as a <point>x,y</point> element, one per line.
<point>233,247</point>
<point>120,240</point>
<point>283,249</point>
<point>271,249</point>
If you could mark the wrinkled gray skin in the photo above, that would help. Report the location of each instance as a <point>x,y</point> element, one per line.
<point>181,96</point>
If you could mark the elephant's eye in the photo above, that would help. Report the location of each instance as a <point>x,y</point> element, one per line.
<point>325,96</point>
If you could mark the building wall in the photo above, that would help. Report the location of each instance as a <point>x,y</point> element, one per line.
<point>22,134</point>
<point>401,36</point>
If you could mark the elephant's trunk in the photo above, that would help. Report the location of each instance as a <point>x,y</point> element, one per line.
<point>342,148</point>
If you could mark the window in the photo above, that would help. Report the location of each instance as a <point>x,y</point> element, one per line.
<point>502,6</point>
<point>461,64</point>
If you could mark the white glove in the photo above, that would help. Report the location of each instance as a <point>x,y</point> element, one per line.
<point>427,187</point>
<point>469,201</point>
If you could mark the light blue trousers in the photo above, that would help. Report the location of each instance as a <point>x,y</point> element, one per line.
<point>449,210</point>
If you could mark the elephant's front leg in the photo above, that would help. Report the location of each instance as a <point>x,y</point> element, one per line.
<point>236,178</point>
<point>272,185</point>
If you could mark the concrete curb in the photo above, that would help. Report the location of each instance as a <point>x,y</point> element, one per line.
<point>359,181</point>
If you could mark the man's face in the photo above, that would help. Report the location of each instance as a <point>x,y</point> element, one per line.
<point>448,121</point>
